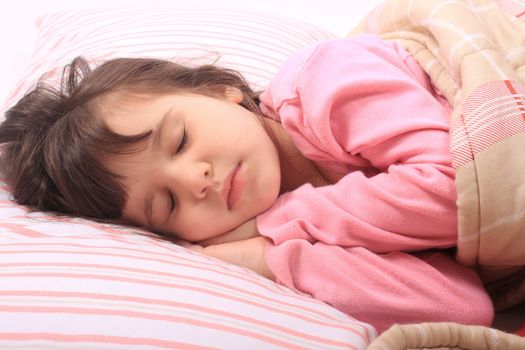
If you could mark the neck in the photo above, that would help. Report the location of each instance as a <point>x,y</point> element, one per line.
<point>296,169</point>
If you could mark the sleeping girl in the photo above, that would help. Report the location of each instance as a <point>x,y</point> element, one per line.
<point>336,181</point>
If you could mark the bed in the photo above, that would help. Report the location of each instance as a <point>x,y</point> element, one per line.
<point>69,283</point>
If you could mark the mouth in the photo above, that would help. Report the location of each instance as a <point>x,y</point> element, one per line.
<point>234,184</point>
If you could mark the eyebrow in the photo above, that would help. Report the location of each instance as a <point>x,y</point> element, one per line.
<point>148,198</point>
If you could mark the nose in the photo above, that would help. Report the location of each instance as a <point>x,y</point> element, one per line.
<point>194,178</point>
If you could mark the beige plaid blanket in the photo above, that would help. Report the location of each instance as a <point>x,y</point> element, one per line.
<point>474,53</point>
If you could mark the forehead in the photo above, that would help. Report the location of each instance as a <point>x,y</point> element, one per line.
<point>132,114</point>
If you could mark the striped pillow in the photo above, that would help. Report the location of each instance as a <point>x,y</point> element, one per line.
<point>76,284</point>
<point>252,43</point>
<point>71,283</point>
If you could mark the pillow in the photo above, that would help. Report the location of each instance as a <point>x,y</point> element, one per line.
<point>74,283</point>
<point>253,43</point>
<point>71,283</point>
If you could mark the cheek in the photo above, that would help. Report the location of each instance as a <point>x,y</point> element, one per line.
<point>270,178</point>
<point>268,193</point>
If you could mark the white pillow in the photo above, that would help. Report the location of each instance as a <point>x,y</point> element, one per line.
<point>73,283</point>
<point>252,43</point>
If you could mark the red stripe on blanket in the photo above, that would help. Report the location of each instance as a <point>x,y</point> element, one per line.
<point>518,100</point>
<point>491,113</point>
<point>515,8</point>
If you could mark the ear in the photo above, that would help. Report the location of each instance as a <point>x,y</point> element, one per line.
<point>233,94</point>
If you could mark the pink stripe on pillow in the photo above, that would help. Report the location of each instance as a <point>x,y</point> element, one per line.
<point>93,339</point>
<point>135,282</point>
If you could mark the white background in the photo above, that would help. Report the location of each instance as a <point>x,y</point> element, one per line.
<point>17,32</point>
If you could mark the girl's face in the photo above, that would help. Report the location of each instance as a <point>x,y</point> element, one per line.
<point>209,166</point>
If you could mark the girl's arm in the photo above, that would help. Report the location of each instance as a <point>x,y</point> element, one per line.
<point>363,107</point>
<point>383,289</point>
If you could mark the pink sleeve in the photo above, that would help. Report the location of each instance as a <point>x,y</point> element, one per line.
<point>362,104</point>
<point>364,107</point>
<point>384,289</point>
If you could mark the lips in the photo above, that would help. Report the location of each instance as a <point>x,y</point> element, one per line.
<point>233,187</point>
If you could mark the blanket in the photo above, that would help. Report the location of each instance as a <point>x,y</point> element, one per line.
<point>474,53</point>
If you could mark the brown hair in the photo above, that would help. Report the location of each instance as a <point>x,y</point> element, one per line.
<point>53,140</point>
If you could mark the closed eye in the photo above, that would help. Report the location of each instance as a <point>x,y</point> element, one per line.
<point>171,198</point>
<point>171,202</point>
<point>183,142</point>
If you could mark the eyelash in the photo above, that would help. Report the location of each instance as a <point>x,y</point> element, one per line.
<point>171,201</point>
<point>183,142</point>
<point>180,148</point>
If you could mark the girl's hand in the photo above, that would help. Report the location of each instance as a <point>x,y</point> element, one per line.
<point>248,253</point>
<point>244,231</point>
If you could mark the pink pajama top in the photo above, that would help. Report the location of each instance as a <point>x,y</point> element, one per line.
<point>364,108</point>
